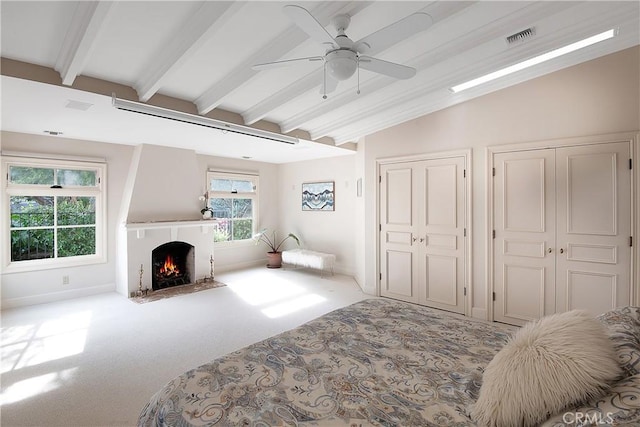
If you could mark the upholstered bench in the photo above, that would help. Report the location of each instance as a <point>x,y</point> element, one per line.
<point>310,259</point>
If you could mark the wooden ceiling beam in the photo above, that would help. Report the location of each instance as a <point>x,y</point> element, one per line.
<point>186,42</point>
<point>88,21</point>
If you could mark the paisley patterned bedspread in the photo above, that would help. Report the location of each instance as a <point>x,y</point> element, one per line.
<point>377,362</point>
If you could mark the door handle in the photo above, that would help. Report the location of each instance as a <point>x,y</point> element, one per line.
<point>561,250</point>
<point>414,239</point>
<point>421,239</point>
<point>550,250</point>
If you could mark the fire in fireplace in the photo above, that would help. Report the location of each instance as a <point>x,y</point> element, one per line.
<point>173,265</point>
<point>169,268</point>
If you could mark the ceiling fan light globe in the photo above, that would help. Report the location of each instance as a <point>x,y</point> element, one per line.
<point>341,64</point>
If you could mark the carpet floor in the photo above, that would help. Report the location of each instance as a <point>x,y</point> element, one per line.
<point>96,361</point>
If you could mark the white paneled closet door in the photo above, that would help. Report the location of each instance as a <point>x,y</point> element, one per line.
<point>398,232</point>
<point>594,227</point>
<point>562,222</point>
<point>422,241</point>
<point>524,220</point>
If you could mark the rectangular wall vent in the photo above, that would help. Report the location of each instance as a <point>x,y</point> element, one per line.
<point>521,36</point>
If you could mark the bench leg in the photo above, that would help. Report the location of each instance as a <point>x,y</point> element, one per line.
<point>322,271</point>
<point>294,266</point>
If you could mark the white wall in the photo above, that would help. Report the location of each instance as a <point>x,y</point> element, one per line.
<point>155,198</point>
<point>596,97</point>
<point>46,285</point>
<point>323,231</point>
<point>167,185</point>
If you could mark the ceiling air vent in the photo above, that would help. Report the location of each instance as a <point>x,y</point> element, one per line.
<point>78,105</point>
<point>521,36</point>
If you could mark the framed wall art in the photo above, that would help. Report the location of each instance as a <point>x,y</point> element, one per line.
<point>318,196</point>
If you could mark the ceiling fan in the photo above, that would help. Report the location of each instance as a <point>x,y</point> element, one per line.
<point>344,56</point>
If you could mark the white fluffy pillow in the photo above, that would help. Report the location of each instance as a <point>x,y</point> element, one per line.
<point>557,361</point>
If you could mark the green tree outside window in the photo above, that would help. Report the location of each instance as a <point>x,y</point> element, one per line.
<point>51,226</point>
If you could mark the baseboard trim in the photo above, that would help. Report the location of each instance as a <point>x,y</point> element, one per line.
<point>344,270</point>
<point>479,313</point>
<point>240,266</point>
<point>57,296</point>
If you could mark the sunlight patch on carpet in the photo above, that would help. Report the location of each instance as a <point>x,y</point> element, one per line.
<point>269,291</point>
<point>54,339</point>
<point>34,386</point>
<point>293,305</point>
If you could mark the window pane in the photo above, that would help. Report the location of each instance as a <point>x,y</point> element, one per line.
<point>28,175</point>
<point>242,208</point>
<point>232,185</point>
<point>235,212</point>
<point>242,186</point>
<point>222,231</point>
<point>52,209</point>
<point>31,211</point>
<point>242,229</point>
<point>75,177</point>
<point>221,208</point>
<point>31,244</point>
<point>76,210</point>
<point>76,241</point>
<point>221,185</point>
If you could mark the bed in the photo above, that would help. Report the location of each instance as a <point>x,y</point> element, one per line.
<point>378,362</point>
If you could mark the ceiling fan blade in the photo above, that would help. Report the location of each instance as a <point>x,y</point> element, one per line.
<point>286,62</point>
<point>394,33</point>
<point>390,69</point>
<point>303,19</point>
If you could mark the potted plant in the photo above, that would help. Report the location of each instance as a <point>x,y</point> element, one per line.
<point>206,211</point>
<point>274,255</point>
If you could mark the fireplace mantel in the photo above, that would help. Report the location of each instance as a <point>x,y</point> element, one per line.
<point>140,227</point>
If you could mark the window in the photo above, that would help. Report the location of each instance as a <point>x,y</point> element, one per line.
<point>233,200</point>
<point>54,213</point>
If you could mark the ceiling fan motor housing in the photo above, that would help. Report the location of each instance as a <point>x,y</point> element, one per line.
<point>341,63</point>
<point>343,57</point>
<point>341,22</point>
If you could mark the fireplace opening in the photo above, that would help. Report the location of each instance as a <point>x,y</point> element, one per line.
<point>173,265</point>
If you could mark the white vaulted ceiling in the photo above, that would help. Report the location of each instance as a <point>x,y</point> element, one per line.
<point>203,52</point>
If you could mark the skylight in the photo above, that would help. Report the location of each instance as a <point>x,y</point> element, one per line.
<point>535,60</point>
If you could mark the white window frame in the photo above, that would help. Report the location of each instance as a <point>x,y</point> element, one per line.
<point>10,189</point>
<point>243,176</point>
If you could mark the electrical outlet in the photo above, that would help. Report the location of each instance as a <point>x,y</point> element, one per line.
<point>65,280</point>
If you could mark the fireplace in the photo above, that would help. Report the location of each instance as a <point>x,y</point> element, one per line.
<point>173,265</point>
